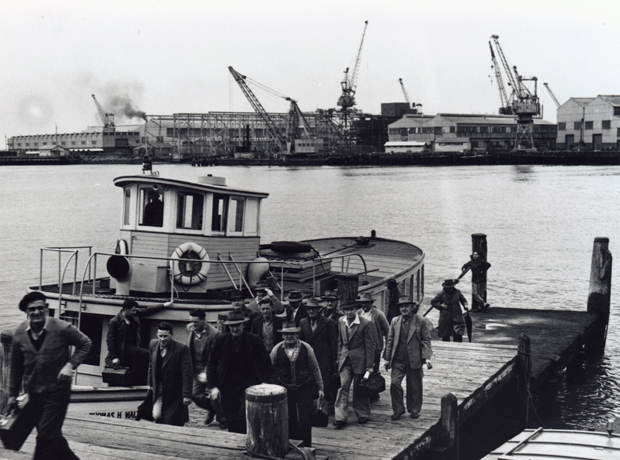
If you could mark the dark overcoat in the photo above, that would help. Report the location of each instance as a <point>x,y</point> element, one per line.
<point>452,317</point>
<point>324,342</point>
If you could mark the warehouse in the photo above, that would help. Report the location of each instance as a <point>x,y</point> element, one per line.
<point>591,123</point>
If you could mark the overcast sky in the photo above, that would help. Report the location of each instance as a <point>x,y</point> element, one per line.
<point>172,56</point>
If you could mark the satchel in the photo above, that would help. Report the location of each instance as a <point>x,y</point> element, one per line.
<point>116,376</point>
<point>319,418</point>
<point>145,409</point>
<point>17,426</point>
<point>371,386</point>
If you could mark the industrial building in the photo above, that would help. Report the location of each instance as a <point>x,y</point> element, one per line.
<point>592,123</point>
<point>488,133</point>
<point>92,140</point>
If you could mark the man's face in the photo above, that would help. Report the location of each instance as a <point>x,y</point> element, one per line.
<point>236,329</point>
<point>475,255</point>
<point>237,305</point>
<point>449,289</point>
<point>330,304</point>
<point>164,337</point>
<point>366,306</point>
<point>349,312</point>
<point>266,310</point>
<point>193,319</point>
<point>290,338</point>
<point>405,310</point>
<point>37,312</point>
<point>313,312</point>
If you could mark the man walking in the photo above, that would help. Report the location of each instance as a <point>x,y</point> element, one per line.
<point>408,348</point>
<point>238,360</point>
<point>379,323</point>
<point>42,363</point>
<point>451,320</point>
<point>356,355</point>
<point>170,377</point>
<point>267,325</point>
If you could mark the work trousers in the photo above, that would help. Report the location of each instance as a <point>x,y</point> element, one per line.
<point>137,359</point>
<point>300,406</point>
<point>200,397</point>
<point>233,403</point>
<point>361,405</point>
<point>478,292</point>
<point>49,410</point>
<point>402,370</point>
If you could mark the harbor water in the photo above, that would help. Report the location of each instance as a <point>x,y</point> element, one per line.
<point>540,224</point>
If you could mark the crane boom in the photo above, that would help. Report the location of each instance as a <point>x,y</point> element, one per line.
<point>106,118</point>
<point>555,99</point>
<point>356,68</point>
<point>500,83</point>
<point>402,85</point>
<point>512,81</point>
<point>349,82</point>
<point>273,130</point>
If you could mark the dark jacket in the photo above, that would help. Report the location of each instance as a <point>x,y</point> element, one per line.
<point>117,333</point>
<point>176,381</point>
<point>39,368</point>
<point>301,313</point>
<point>253,368</point>
<point>478,268</point>
<point>257,329</point>
<point>452,317</point>
<point>324,342</point>
<point>302,374</point>
<point>206,344</point>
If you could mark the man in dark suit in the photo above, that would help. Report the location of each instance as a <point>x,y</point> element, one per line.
<point>296,309</point>
<point>320,333</point>
<point>170,377</point>
<point>238,360</point>
<point>356,355</point>
<point>267,325</point>
<point>408,348</point>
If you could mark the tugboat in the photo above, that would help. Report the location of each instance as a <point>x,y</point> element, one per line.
<point>194,244</point>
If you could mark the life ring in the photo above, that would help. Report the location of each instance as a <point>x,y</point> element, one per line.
<point>290,247</point>
<point>189,273</point>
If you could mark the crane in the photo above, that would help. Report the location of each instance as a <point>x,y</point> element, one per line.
<point>505,108</point>
<point>555,99</point>
<point>411,105</point>
<point>349,82</point>
<point>106,118</point>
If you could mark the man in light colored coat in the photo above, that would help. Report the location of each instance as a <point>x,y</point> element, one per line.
<point>379,323</point>
<point>356,355</point>
<point>408,348</point>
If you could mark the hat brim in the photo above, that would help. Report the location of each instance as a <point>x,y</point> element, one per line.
<point>237,321</point>
<point>289,330</point>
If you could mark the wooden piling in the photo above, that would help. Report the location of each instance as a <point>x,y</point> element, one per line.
<point>525,364</point>
<point>449,427</point>
<point>6,339</point>
<point>347,287</point>
<point>266,412</point>
<point>479,245</point>
<point>599,297</point>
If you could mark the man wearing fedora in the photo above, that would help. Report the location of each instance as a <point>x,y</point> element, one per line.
<point>451,320</point>
<point>237,304</point>
<point>356,355</point>
<point>321,334</point>
<point>266,326</point>
<point>378,321</point>
<point>296,309</point>
<point>237,361</point>
<point>408,348</point>
<point>330,309</point>
<point>295,368</point>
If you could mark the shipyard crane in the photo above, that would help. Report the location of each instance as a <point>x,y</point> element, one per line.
<point>505,108</point>
<point>349,82</point>
<point>555,99</point>
<point>106,118</point>
<point>411,105</point>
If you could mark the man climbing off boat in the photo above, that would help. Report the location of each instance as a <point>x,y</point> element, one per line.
<point>478,266</point>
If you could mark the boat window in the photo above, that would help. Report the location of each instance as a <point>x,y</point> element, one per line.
<point>251,216</point>
<point>235,214</point>
<point>127,204</point>
<point>218,217</point>
<point>152,206</point>
<point>190,210</point>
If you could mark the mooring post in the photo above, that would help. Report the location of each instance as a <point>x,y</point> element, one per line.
<point>599,298</point>
<point>525,364</point>
<point>6,339</point>
<point>479,245</point>
<point>449,443</point>
<point>347,287</point>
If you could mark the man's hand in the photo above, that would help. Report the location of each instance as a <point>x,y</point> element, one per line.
<point>215,392</point>
<point>187,401</point>
<point>66,373</point>
<point>387,366</point>
<point>321,394</point>
<point>168,304</point>
<point>268,292</point>
<point>116,363</point>
<point>370,370</point>
<point>429,365</point>
<point>11,404</point>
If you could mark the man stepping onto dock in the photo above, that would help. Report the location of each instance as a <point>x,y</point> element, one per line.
<point>451,319</point>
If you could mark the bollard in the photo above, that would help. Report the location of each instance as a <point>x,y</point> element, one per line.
<point>266,412</point>
<point>6,338</point>
<point>599,297</point>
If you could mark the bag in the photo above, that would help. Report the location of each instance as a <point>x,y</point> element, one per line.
<point>116,377</point>
<point>17,426</point>
<point>145,409</point>
<point>371,386</point>
<point>319,418</point>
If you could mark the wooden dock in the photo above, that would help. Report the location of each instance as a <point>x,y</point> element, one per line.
<point>472,372</point>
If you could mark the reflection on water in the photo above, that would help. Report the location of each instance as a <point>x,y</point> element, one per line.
<point>540,224</point>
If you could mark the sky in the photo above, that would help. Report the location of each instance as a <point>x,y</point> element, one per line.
<point>172,56</point>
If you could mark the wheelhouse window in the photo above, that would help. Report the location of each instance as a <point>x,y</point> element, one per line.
<point>152,208</point>
<point>127,206</point>
<point>251,217</point>
<point>236,208</point>
<point>218,216</point>
<point>190,210</point>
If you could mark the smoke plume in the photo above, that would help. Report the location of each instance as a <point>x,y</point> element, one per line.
<point>124,106</point>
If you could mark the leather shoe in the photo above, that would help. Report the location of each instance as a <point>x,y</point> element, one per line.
<point>223,425</point>
<point>210,418</point>
<point>339,424</point>
<point>397,416</point>
<point>362,420</point>
<point>415,415</point>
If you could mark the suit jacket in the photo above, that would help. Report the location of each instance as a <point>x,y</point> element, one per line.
<point>176,380</point>
<point>257,329</point>
<point>380,324</point>
<point>205,346</point>
<point>324,342</point>
<point>253,369</point>
<point>418,340</point>
<point>301,313</point>
<point>358,345</point>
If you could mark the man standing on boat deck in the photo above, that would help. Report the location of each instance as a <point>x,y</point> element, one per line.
<point>356,355</point>
<point>238,360</point>
<point>200,338</point>
<point>479,267</point>
<point>451,320</point>
<point>408,348</point>
<point>393,296</point>
<point>170,377</point>
<point>41,362</point>
<point>124,338</point>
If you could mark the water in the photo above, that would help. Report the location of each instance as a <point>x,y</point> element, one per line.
<point>540,224</point>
